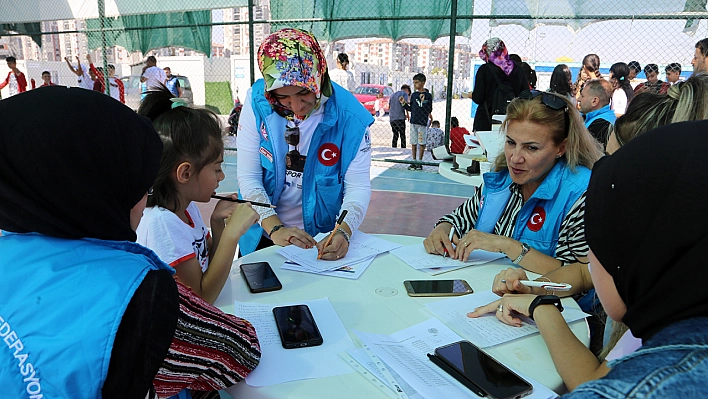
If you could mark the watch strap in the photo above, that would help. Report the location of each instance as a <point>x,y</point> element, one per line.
<point>525,248</point>
<point>545,300</point>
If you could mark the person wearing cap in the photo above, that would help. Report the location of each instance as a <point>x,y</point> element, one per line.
<point>673,73</point>
<point>653,84</point>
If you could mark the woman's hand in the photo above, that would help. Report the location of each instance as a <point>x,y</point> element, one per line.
<point>438,242</point>
<point>477,240</point>
<point>506,308</point>
<point>513,284</point>
<point>292,235</point>
<point>336,249</point>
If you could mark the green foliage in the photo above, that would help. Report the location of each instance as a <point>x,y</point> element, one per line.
<point>218,97</point>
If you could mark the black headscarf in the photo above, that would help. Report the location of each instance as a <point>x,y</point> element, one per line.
<point>646,222</point>
<point>73,163</point>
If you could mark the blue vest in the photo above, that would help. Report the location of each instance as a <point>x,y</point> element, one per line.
<point>539,221</point>
<point>61,302</point>
<point>171,84</point>
<point>322,185</point>
<point>603,113</point>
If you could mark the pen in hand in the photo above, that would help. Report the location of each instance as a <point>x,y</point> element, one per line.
<point>334,231</point>
<point>452,234</point>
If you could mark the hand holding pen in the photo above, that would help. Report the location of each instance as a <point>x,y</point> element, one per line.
<point>452,234</point>
<point>331,248</point>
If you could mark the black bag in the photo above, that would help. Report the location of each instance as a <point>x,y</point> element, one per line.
<point>503,95</point>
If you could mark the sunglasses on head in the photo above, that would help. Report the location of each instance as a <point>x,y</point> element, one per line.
<point>551,101</point>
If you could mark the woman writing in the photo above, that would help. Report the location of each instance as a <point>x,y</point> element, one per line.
<point>531,207</point>
<point>304,147</point>
<point>574,362</point>
<point>634,263</point>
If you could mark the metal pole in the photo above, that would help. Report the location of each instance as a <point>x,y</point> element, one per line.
<point>450,70</point>
<point>251,41</point>
<point>102,20</point>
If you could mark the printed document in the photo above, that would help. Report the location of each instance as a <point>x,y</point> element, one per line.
<point>487,330</point>
<point>416,257</point>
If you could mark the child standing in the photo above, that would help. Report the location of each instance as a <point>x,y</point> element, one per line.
<point>421,106</point>
<point>190,171</point>
<point>378,106</point>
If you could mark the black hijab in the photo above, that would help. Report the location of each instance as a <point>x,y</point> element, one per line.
<point>646,222</point>
<point>73,163</point>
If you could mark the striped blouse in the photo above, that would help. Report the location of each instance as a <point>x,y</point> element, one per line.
<point>571,238</point>
<point>211,350</point>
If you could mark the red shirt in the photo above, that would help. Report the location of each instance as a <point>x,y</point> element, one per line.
<point>21,82</point>
<point>457,140</point>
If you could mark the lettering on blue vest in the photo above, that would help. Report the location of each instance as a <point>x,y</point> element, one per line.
<point>14,343</point>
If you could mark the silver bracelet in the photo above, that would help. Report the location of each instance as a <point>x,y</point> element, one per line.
<point>344,233</point>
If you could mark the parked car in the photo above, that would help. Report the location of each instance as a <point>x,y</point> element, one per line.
<point>366,94</point>
<point>133,90</point>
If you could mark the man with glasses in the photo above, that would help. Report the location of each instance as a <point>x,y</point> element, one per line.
<point>594,104</point>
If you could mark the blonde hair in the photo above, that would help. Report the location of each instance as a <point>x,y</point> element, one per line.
<point>618,330</point>
<point>581,148</point>
<point>686,101</point>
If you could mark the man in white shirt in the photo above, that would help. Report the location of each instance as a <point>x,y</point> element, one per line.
<point>341,75</point>
<point>152,76</point>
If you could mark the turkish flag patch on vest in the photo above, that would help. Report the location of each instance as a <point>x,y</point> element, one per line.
<point>537,219</point>
<point>328,154</point>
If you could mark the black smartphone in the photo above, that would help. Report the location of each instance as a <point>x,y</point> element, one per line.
<point>297,327</point>
<point>437,287</point>
<point>479,371</point>
<point>260,277</point>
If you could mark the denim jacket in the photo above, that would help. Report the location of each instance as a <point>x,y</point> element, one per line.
<point>671,364</point>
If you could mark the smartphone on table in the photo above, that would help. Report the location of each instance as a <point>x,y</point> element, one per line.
<point>260,277</point>
<point>297,327</point>
<point>437,287</point>
<point>480,372</point>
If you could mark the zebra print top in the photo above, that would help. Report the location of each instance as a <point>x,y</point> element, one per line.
<point>571,238</point>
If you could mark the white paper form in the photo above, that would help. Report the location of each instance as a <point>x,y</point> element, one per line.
<point>487,330</point>
<point>361,246</point>
<point>350,271</point>
<point>281,365</point>
<point>416,257</point>
<point>361,357</point>
<point>406,352</point>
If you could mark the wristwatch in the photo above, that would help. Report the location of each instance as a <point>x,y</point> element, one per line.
<point>545,300</point>
<point>274,229</point>
<point>524,250</point>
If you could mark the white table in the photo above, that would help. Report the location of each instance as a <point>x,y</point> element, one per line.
<point>445,170</point>
<point>377,302</point>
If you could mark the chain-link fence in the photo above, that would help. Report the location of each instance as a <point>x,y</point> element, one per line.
<point>212,51</point>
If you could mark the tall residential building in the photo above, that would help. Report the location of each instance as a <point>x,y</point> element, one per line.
<point>398,56</point>
<point>236,39</point>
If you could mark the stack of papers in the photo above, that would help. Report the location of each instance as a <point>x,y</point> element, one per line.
<point>404,357</point>
<point>487,330</point>
<point>416,257</point>
<point>363,248</point>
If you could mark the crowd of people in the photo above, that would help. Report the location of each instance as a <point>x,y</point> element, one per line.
<point>93,78</point>
<point>581,195</point>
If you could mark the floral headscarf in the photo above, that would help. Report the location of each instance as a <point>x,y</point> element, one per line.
<point>292,57</point>
<point>494,51</point>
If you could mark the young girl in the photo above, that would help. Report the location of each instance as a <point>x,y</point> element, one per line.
<point>190,171</point>
<point>378,106</point>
